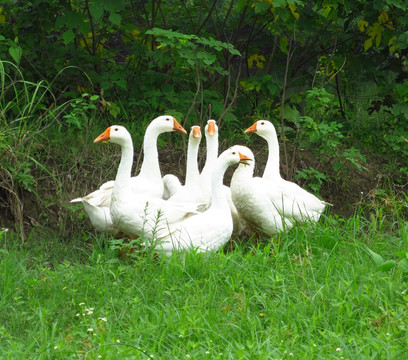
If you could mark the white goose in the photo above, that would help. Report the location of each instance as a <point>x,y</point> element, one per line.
<point>211,229</point>
<point>211,135</point>
<point>191,191</point>
<point>138,213</point>
<point>96,205</point>
<point>148,181</point>
<point>304,206</point>
<point>256,200</point>
<point>211,139</point>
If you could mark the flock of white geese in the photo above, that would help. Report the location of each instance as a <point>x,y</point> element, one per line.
<point>203,213</point>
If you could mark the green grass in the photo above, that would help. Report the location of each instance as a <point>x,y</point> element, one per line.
<point>317,295</point>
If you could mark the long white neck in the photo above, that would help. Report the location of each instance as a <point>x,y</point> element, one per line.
<point>192,172</point>
<point>217,192</point>
<point>150,166</point>
<point>125,167</point>
<point>272,165</point>
<point>212,154</point>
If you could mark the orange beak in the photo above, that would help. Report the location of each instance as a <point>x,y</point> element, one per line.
<point>196,132</point>
<point>211,128</point>
<point>243,159</point>
<point>105,136</point>
<point>178,127</point>
<point>251,129</point>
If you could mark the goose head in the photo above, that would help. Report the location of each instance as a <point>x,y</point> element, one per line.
<point>238,154</point>
<point>195,134</point>
<point>115,134</point>
<point>263,128</point>
<point>211,128</point>
<point>247,158</point>
<point>166,123</point>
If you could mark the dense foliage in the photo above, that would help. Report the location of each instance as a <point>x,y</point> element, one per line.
<point>332,74</point>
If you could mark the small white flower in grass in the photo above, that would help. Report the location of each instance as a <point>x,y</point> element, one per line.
<point>99,356</point>
<point>188,355</point>
<point>90,330</point>
<point>78,314</point>
<point>221,354</point>
<point>55,347</point>
<point>290,354</point>
<point>118,341</point>
<point>81,303</point>
<point>207,352</point>
<point>338,349</point>
<point>314,345</point>
<point>388,334</point>
<point>103,319</point>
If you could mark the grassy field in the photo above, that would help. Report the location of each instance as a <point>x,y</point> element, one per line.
<point>315,293</point>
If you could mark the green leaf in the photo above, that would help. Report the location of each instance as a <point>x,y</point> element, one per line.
<point>402,254</point>
<point>96,11</point>
<point>388,265</point>
<point>400,109</point>
<point>272,88</point>
<point>378,259</point>
<point>368,43</point>
<point>261,7</point>
<point>15,52</point>
<point>404,265</point>
<point>115,19</point>
<point>68,36</point>
<point>402,4</point>
<point>283,44</point>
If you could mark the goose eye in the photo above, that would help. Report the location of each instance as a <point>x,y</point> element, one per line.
<point>167,119</point>
<point>116,129</point>
<point>262,123</point>
<point>233,153</point>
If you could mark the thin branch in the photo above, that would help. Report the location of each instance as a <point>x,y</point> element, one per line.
<point>154,12</point>
<point>207,18</point>
<point>234,97</point>
<point>91,25</point>
<point>227,15</point>
<point>162,15</point>
<point>283,99</point>
<point>195,97</point>
<point>188,13</point>
<point>268,65</point>
<point>241,19</point>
